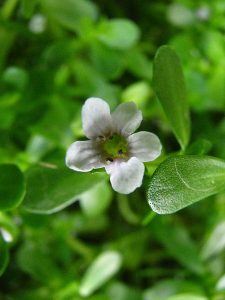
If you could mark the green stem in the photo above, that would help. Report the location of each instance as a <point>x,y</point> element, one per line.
<point>150,216</point>
<point>126,211</point>
<point>80,248</point>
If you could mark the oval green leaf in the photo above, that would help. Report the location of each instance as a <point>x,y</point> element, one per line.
<point>187,297</point>
<point>89,201</point>
<point>12,186</point>
<point>182,180</point>
<point>215,243</point>
<point>118,33</point>
<point>168,81</point>
<point>70,13</point>
<point>4,255</point>
<point>101,270</point>
<point>50,189</point>
<point>179,244</point>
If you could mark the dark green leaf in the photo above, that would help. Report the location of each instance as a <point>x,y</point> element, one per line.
<point>51,188</point>
<point>177,240</point>
<point>70,13</point>
<point>182,180</point>
<point>4,255</point>
<point>12,186</point>
<point>169,287</point>
<point>170,88</point>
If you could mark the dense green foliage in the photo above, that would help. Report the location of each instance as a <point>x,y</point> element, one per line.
<point>66,235</point>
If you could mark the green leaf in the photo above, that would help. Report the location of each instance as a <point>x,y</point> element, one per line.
<point>70,13</point>
<point>101,270</point>
<point>118,33</point>
<point>121,291</point>
<point>95,201</point>
<point>169,287</point>
<point>12,186</point>
<point>182,180</point>
<point>179,244</point>
<point>187,297</point>
<point>215,243</point>
<point>4,255</point>
<point>177,240</point>
<point>170,88</point>
<point>51,188</point>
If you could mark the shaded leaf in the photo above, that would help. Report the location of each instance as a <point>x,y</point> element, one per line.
<point>12,186</point>
<point>170,88</point>
<point>50,189</point>
<point>180,246</point>
<point>96,200</point>
<point>118,33</point>
<point>215,243</point>
<point>70,13</point>
<point>101,270</point>
<point>187,297</point>
<point>4,255</point>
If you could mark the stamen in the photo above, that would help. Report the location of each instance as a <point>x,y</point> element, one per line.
<point>109,160</point>
<point>100,138</point>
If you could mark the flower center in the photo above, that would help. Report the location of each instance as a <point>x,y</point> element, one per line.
<point>115,146</point>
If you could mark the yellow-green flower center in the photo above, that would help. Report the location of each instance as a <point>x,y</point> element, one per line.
<point>115,146</point>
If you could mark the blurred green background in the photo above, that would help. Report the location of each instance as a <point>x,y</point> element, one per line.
<point>53,55</point>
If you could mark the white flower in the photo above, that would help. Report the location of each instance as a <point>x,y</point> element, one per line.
<point>113,145</point>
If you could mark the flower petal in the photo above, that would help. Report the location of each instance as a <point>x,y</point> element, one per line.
<point>126,118</point>
<point>96,118</point>
<point>144,145</point>
<point>125,177</point>
<point>83,156</point>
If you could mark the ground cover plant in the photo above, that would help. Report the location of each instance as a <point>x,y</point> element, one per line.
<point>154,226</point>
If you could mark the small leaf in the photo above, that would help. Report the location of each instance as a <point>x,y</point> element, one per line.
<point>187,297</point>
<point>220,285</point>
<point>102,269</point>
<point>182,180</point>
<point>95,201</point>
<point>118,33</point>
<point>216,242</point>
<point>12,186</point>
<point>177,240</point>
<point>169,287</point>
<point>4,255</point>
<point>70,13</point>
<point>170,88</point>
<point>52,189</point>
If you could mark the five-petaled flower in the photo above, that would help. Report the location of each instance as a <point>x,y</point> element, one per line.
<point>113,145</point>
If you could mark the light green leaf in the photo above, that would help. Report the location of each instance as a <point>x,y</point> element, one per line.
<point>220,285</point>
<point>167,288</point>
<point>4,255</point>
<point>100,271</point>
<point>118,33</point>
<point>15,77</point>
<point>51,188</point>
<point>215,243</point>
<point>187,297</point>
<point>121,291</point>
<point>182,180</point>
<point>12,186</point>
<point>170,88</point>
<point>96,200</point>
<point>70,13</point>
